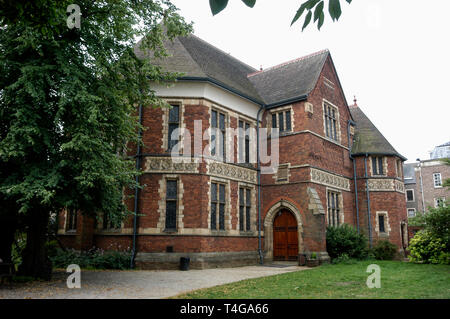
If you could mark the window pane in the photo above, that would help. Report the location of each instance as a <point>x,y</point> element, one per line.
<point>241,218</point>
<point>221,121</point>
<point>222,193</point>
<point>288,120</point>
<point>174,114</point>
<point>213,215</point>
<point>241,141</point>
<point>380,165</point>
<point>222,216</point>
<point>247,218</point>
<point>280,120</point>
<point>409,195</point>
<point>173,140</point>
<point>213,119</point>
<point>247,197</point>
<point>171,214</point>
<point>381,223</point>
<point>171,189</point>
<point>241,196</point>
<point>334,130</point>
<point>274,121</point>
<point>247,150</point>
<point>374,166</point>
<point>213,192</point>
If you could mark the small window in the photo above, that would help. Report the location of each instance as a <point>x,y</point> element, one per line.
<point>437,179</point>
<point>282,121</point>
<point>439,202</point>
<point>410,195</point>
<point>171,204</point>
<point>377,165</point>
<point>333,208</point>
<point>218,136</point>
<point>71,223</point>
<point>217,206</point>
<point>244,209</point>
<point>381,223</point>
<point>411,212</point>
<point>331,121</point>
<point>174,123</point>
<point>244,142</point>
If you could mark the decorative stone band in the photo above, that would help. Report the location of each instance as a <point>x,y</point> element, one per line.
<point>386,185</point>
<point>230,171</point>
<point>328,179</point>
<point>168,165</point>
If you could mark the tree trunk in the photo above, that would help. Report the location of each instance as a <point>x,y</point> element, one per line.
<point>35,261</point>
<point>8,226</point>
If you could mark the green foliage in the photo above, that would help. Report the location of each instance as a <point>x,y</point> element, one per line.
<point>218,5</point>
<point>310,6</point>
<point>345,239</point>
<point>344,259</point>
<point>426,247</point>
<point>437,222</point>
<point>92,259</point>
<point>334,10</point>
<point>417,220</point>
<point>384,250</point>
<point>313,255</point>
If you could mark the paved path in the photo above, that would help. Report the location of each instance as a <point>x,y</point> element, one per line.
<point>139,284</point>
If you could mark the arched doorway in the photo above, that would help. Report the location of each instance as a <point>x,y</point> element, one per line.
<point>285,236</point>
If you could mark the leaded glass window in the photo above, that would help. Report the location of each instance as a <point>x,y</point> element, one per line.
<point>174,123</point>
<point>171,204</point>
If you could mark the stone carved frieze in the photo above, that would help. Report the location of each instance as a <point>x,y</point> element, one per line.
<point>386,185</point>
<point>331,180</point>
<point>225,170</point>
<point>169,165</point>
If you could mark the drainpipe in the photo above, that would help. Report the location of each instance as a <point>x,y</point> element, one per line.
<point>368,202</point>
<point>261,257</point>
<point>136,195</point>
<point>350,122</point>
<point>421,185</point>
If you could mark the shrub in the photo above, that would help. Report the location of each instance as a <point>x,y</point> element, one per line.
<point>345,239</point>
<point>93,259</point>
<point>343,259</point>
<point>428,248</point>
<point>384,250</point>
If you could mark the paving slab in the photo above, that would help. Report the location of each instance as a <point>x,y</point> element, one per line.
<point>140,284</point>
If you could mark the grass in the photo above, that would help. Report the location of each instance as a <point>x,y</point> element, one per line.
<point>398,280</point>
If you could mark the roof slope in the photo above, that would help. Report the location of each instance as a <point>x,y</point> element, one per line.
<point>198,59</point>
<point>368,139</point>
<point>289,80</point>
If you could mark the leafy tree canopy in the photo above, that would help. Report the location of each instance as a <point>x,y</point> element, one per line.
<point>311,9</point>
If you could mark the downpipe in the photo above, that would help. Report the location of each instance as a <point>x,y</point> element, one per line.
<point>260,253</point>
<point>368,202</point>
<point>350,122</point>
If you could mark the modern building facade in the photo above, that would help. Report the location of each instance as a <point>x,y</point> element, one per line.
<point>216,205</point>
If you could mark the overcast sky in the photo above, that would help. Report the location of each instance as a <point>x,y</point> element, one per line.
<point>393,55</point>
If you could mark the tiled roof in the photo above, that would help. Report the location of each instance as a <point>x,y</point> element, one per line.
<point>197,59</point>
<point>289,80</point>
<point>368,139</point>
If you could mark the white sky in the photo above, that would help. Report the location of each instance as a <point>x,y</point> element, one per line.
<point>393,55</point>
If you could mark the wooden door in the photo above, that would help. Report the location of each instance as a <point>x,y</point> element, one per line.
<point>285,236</point>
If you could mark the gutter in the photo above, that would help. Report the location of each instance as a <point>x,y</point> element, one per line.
<point>136,195</point>
<point>368,202</point>
<point>350,122</point>
<point>261,257</point>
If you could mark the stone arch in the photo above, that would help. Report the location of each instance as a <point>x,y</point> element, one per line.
<point>268,226</point>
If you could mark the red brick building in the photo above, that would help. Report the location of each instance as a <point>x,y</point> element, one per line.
<point>334,167</point>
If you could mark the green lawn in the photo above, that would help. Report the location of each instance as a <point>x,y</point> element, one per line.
<point>398,280</point>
